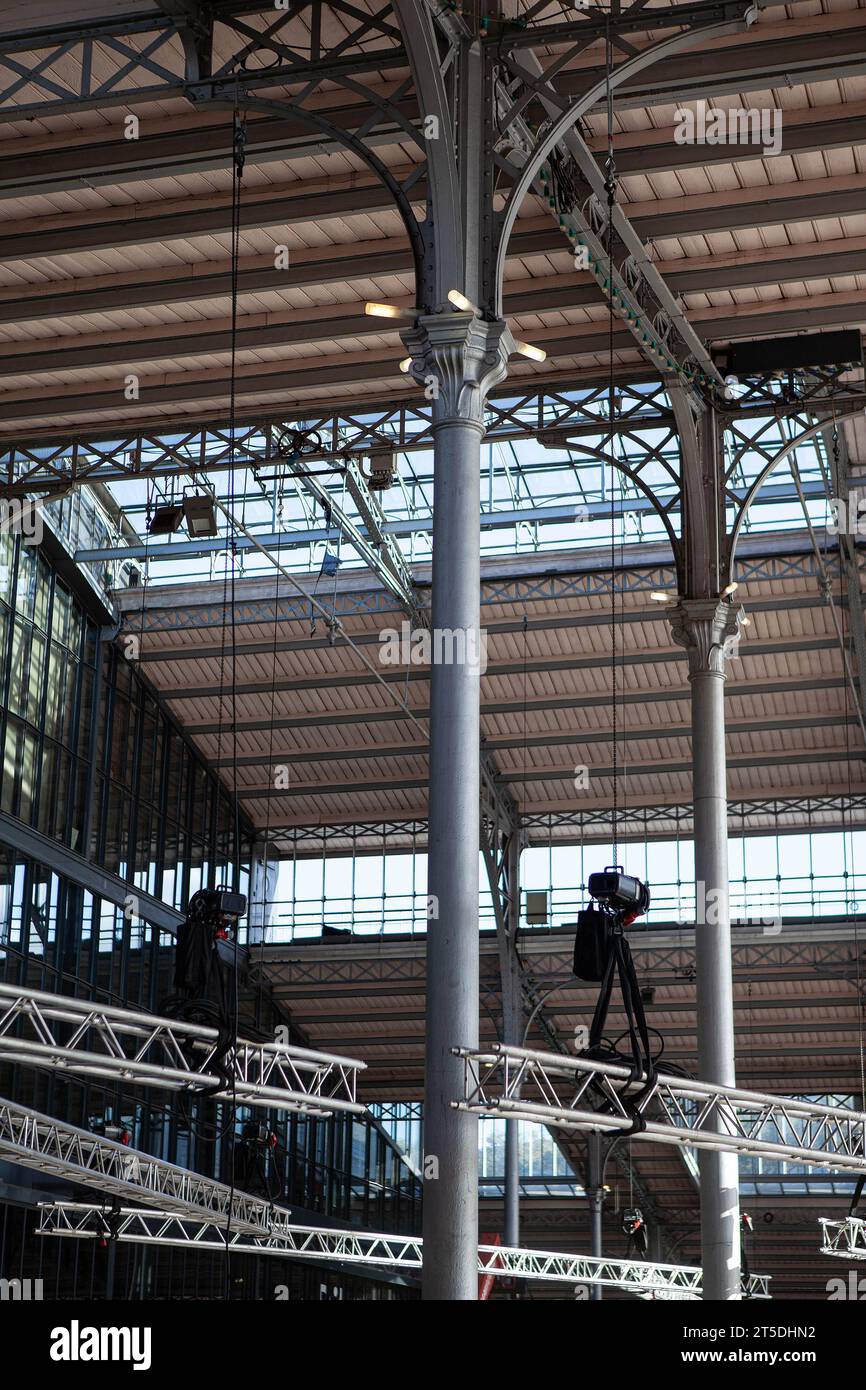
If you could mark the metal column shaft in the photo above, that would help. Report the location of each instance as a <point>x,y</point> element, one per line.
<point>512,1183</point>
<point>706,628</point>
<point>512,1018</point>
<point>720,1214</point>
<point>451,1137</point>
<point>459,357</point>
<point>595,1193</point>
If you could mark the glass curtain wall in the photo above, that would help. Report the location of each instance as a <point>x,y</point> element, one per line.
<point>93,763</point>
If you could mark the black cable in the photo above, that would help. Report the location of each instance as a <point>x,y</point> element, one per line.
<point>238,152</point>
<point>610,187</point>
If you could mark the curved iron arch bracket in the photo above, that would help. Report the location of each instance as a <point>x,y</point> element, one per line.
<point>754,489</point>
<point>633,475</point>
<point>444,262</point>
<point>649,56</point>
<point>246,101</point>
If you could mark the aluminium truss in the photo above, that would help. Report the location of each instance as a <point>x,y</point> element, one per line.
<point>847,1238</point>
<point>74,1035</point>
<point>50,1146</point>
<point>644,1278</point>
<point>578,1094</point>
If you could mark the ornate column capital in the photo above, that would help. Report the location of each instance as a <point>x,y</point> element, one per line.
<point>708,629</point>
<point>457,358</point>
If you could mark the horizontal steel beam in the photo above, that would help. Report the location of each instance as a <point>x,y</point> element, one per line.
<point>326,200</point>
<point>69,297</point>
<point>575,738</point>
<point>528,578</point>
<point>525,408</point>
<point>155,654</point>
<point>833,807</point>
<point>422,525</point>
<point>74,867</point>
<point>380,364</point>
<point>318,790</point>
<point>799,50</point>
<point>344,680</point>
<point>806,685</point>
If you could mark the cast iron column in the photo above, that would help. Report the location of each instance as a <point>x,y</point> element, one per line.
<point>459,357</point>
<point>708,628</point>
<point>595,1194</point>
<point>512,1033</point>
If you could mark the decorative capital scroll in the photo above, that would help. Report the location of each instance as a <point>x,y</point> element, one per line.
<point>709,629</point>
<point>458,358</point>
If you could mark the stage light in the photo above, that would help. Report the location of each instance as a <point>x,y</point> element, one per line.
<point>165,520</point>
<point>199,514</point>
<point>406,365</point>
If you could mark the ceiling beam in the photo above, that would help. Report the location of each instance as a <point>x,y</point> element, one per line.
<point>193,218</point>
<point>317,791</point>
<point>258,381</point>
<point>569,622</point>
<point>575,738</point>
<point>806,685</point>
<point>177,341</point>
<point>749,651</point>
<point>199,144</point>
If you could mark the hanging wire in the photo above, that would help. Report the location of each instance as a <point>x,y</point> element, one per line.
<point>238,154</point>
<point>847,835</point>
<point>266,839</point>
<point>610,188</point>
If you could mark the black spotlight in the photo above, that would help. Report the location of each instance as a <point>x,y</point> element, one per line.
<point>165,521</point>
<point>623,896</point>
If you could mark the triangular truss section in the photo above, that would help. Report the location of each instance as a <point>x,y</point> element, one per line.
<point>76,1036</point>
<point>579,1094</point>
<point>847,1238</point>
<point>645,1279</point>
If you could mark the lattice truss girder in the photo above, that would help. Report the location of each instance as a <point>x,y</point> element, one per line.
<point>676,960</point>
<point>75,1155</point>
<point>86,1221</point>
<point>74,1035</point>
<point>847,1238</point>
<point>515,413</point>
<point>579,1094</point>
<point>140,58</point>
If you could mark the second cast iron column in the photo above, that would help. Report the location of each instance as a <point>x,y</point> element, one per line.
<point>708,629</point>
<point>458,356</point>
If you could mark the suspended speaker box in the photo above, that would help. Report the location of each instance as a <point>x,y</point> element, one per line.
<point>536,909</point>
<point>802,350</point>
